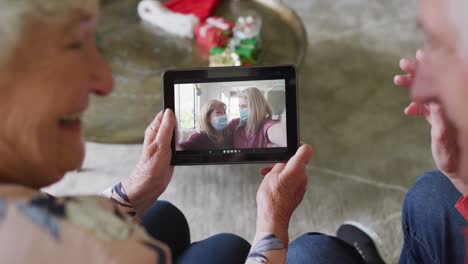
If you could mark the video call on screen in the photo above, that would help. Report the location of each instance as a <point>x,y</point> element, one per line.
<point>231,117</point>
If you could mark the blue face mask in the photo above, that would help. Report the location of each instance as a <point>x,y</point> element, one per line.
<point>244,114</point>
<point>220,123</point>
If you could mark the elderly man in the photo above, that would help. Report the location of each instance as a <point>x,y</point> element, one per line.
<point>49,67</point>
<point>435,211</point>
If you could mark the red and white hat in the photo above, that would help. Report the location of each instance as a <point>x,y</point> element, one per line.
<point>178,17</point>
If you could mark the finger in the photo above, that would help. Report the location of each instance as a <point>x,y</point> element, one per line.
<point>408,66</point>
<point>152,129</point>
<point>166,130</point>
<point>416,109</point>
<point>298,162</point>
<point>438,118</point>
<point>277,168</point>
<point>265,170</point>
<point>403,80</point>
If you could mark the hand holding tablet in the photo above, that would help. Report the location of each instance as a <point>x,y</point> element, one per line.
<point>233,114</point>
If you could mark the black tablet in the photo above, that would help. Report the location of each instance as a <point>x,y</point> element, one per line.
<point>231,115</point>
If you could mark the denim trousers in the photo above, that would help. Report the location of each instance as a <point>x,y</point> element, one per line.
<point>167,224</point>
<point>432,228</point>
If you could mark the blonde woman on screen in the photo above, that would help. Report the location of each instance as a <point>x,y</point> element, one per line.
<point>255,127</point>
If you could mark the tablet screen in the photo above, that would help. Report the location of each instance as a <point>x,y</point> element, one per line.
<point>231,117</point>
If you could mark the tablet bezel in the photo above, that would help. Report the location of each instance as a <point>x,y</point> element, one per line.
<point>233,74</point>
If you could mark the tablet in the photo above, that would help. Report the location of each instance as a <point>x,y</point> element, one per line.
<point>231,115</point>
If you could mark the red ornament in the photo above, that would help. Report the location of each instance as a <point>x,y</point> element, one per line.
<point>214,32</point>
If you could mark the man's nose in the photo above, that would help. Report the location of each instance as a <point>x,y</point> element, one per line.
<point>101,80</point>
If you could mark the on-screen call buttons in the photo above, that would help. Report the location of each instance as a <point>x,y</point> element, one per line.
<point>231,151</point>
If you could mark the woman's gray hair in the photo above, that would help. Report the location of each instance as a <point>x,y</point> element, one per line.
<point>14,14</point>
<point>458,12</point>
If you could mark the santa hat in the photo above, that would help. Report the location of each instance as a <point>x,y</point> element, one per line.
<point>178,17</point>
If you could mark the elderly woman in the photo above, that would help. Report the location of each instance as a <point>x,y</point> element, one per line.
<point>49,66</point>
<point>213,133</point>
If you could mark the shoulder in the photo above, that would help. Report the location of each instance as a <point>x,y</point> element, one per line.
<point>197,136</point>
<point>73,224</point>
<point>268,123</point>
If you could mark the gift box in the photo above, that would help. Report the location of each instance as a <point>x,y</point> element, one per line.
<point>247,55</point>
<point>247,49</point>
<point>214,32</point>
<point>217,50</point>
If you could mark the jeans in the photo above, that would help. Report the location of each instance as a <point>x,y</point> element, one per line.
<point>432,227</point>
<point>166,223</point>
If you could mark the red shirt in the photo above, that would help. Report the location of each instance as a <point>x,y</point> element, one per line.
<point>462,207</point>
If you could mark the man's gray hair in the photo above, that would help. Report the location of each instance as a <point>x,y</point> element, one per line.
<point>458,12</point>
<point>14,14</point>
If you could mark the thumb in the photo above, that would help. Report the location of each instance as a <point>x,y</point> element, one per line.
<point>265,170</point>
<point>298,162</point>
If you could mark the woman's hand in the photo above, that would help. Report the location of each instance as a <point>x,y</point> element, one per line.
<point>153,172</point>
<point>443,133</point>
<point>280,193</point>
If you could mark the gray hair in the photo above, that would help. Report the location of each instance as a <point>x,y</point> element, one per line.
<point>14,14</point>
<point>458,12</point>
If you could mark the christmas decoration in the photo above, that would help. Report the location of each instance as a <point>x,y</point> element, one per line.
<point>214,32</point>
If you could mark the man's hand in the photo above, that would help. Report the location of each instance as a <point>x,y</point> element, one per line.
<point>443,133</point>
<point>280,193</point>
<point>153,172</point>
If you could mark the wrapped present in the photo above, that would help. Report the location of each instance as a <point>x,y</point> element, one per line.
<point>247,55</point>
<point>224,57</point>
<point>247,49</point>
<point>217,50</point>
<point>214,32</point>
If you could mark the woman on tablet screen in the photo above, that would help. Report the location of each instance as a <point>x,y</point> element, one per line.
<point>255,127</point>
<point>213,133</point>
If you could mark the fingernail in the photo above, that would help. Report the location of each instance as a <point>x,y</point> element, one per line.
<point>164,117</point>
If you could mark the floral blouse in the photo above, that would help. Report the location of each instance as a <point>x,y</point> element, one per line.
<point>39,228</point>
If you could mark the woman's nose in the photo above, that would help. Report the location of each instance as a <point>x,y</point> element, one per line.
<point>101,80</point>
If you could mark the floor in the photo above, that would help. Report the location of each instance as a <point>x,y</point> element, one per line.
<point>367,153</point>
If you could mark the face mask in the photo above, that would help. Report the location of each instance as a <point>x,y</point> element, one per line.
<point>220,123</point>
<point>244,114</point>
